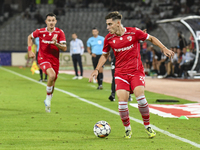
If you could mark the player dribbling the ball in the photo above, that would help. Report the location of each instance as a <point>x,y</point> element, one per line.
<point>129,71</point>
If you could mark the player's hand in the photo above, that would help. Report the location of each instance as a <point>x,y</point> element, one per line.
<point>168,53</point>
<point>93,75</point>
<point>54,39</point>
<point>145,30</point>
<point>31,54</point>
<point>93,55</point>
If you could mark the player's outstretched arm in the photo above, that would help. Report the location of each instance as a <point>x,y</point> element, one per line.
<point>30,43</point>
<point>101,62</point>
<point>164,49</point>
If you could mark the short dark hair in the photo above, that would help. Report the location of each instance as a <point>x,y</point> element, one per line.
<point>114,15</point>
<point>95,28</point>
<point>50,14</point>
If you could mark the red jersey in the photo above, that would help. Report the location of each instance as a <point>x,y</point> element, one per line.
<point>47,50</point>
<point>126,49</point>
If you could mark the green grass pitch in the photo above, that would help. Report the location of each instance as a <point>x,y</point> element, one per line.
<point>24,124</point>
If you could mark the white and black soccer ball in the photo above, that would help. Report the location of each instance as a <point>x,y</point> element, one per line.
<point>102,129</point>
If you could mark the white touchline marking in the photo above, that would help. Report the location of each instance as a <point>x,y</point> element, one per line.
<point>107,109</point>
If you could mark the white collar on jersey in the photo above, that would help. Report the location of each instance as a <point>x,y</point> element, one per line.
<point>52,31</point>
<point>124,31</point>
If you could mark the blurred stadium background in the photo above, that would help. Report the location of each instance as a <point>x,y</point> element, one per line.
<point>162,18</point>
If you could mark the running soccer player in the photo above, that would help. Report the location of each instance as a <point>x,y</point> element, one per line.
<point>51,40</point>
<point>129,71</point>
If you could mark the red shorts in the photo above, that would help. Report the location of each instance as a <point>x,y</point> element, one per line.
<point>46,65</point>
<point>128,82</point>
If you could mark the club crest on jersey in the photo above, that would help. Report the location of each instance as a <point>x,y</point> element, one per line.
<point>129,38</point>
<point>121,38</point>
<point>113,41</point>
<point>43,35</point>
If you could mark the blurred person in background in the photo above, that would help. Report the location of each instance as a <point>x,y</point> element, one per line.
<point>182,40</point>
<point>186,62</point>
<point>94,48</point>
<point>51,40</point>
<point>76,50</point>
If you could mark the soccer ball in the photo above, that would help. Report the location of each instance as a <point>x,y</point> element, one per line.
<point>102,129</point>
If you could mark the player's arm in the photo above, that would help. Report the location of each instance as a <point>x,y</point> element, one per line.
<point>30,43</point>
<point>101,62</point>
<point>164,49</point>
<point>61,46</point>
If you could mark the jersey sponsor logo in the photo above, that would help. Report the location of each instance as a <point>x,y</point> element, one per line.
<point>174,111</point>
<point>48,42</point>
<point>142,78</point>
<point>129,38</point>
<point>124,48</point>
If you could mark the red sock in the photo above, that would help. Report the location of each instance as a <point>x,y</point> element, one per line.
<point>124,113</point>
<point>144,109</point>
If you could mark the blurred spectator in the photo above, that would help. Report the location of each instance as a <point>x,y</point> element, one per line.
<point>14,6</point>
<point>192,43</point>
<point>149,25</point>
<point>182,40</point>
<point>144,51</point>
<point>147,3</point>
<point>162,64</point>
<point>59,11</point>
<point>1,7</point>
<point>177,60</point>
<point>170,67</point>
<point>176,7</point>
<point>59,3</point>
<point>8,10</point>
<point>39,18</point>
<point>189,4</point>
<point>149,60</point>
<point>26,15</point>
<point>32,7</point>
<point>156,9</point>
<point>186,63</point>
<point>70,4</point>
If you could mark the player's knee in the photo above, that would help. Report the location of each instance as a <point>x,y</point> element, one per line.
<point>138,92</point>
<point>141,100</point>
<point>52,76</point>
<point>123,105</point>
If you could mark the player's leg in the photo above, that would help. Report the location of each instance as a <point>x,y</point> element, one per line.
<point>144,109</point>
<point>40,70</point>
<point>50,88</point>
<point>100,75</point>
<point>74,59</point>
<point>80,66</point>
<point>94,63</point>
<point>123,96</point>
<point>100,78</point>
<point>112,96</point>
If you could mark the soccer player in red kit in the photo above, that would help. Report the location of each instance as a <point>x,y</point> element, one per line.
<point>52,39</point>
<point>129,71</point>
